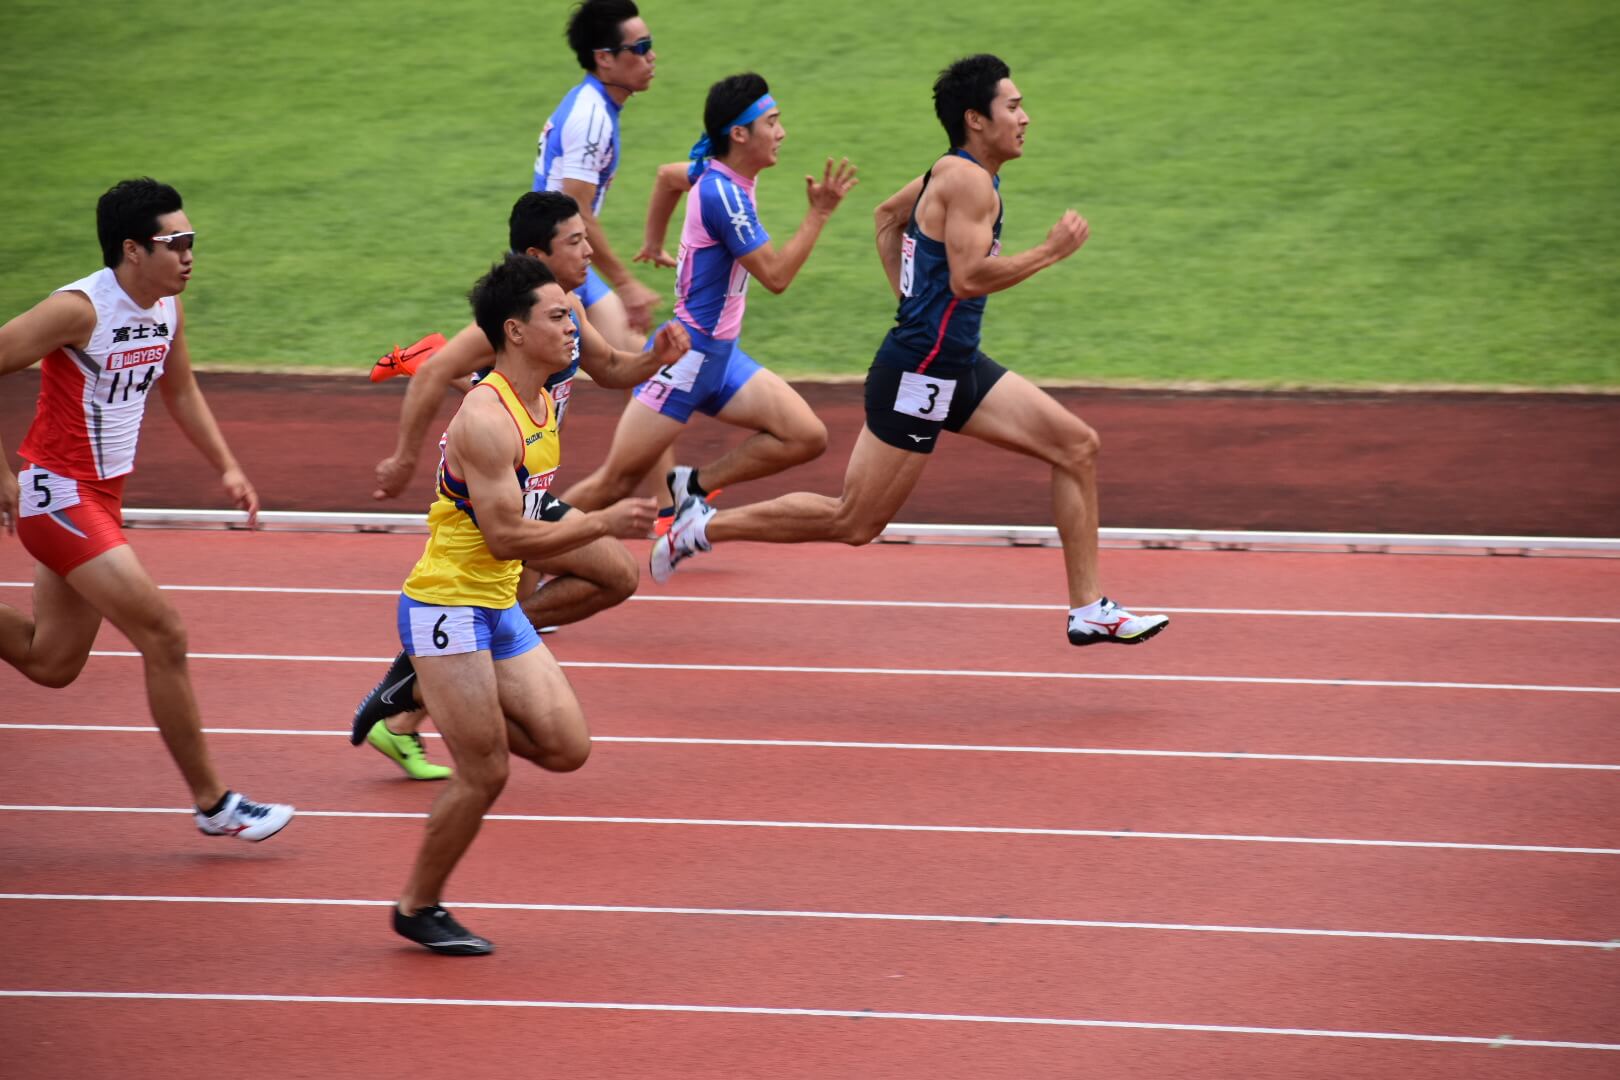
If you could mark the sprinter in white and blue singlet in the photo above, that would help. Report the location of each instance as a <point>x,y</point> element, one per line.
<point>939,239</point>
<point>723,248</point>
<point>578,153</point>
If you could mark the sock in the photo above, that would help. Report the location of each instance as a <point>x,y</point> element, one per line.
<point>1092,609</point>
<point>694,487</point>
<point>219,806</point>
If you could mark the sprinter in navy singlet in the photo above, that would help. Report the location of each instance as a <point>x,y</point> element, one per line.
<point>939,239</point>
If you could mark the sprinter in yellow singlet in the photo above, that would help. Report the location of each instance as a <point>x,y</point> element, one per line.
<point>482,672</point>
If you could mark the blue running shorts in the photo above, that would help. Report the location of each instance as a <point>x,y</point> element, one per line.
<point>438,630</point>
<point>704,380</point>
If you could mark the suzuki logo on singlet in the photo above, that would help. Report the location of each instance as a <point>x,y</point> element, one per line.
<point>129,358</point>
<point>532,439</point>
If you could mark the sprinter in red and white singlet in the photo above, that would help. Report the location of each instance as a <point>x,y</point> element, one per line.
<point>107,341</point>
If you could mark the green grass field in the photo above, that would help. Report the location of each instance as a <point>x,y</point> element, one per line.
<point>1369,193</point>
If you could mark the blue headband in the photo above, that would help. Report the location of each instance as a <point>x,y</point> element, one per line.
<point>703,149</point>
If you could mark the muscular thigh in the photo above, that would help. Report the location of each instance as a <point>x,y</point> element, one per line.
<point>767,403</point>
<point>115,584</point>
<point>1018,415</point>
<point>537,699</point>
<point>459,691</point>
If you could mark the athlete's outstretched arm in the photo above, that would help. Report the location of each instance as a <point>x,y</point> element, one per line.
<point>889,221</point>
<point>776,269</point>
<point>620,369</point>
<point>670,184</point>
<point>970,203</point>
<point>461,356</point>
<point>185,402</point>
<point>484,451</point>
<point>639,300</point>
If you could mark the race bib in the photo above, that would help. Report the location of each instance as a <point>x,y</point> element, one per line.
<point>44,493</point>
<point>683,373</point>
<point>442,631</point>
<point>559,397</point>
<point>924,396</point>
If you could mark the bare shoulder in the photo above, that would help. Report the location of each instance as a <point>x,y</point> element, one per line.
<point>71,310</point>
<point>477,414</point>
<point>964,185</point>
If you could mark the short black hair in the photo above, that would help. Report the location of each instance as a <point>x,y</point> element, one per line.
<point>727,100</point>
<point>970,83</point>
<point>129,210</point>
<point>535,218</point>
<point>595,25</point>
<point>508,291</point>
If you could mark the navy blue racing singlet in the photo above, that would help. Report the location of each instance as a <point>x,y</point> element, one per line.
<point>931,319</point>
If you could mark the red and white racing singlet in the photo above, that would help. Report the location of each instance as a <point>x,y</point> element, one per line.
<point>92,400</point>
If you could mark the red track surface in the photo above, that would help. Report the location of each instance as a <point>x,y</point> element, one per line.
<point>1257,844</point>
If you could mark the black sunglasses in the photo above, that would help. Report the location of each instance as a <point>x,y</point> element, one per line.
<point>640,48</point>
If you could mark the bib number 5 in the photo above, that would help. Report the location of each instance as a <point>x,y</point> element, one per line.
<point>45,493</point>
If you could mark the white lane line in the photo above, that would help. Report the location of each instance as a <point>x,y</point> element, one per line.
<point>796,601</point>
<point>839,916</point>
<point>840,1014</point>
<point>788,669</point>
<point>851,826</point>
<point>830,744</point>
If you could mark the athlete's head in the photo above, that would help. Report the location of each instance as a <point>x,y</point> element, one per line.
<point>741,124</point>
<point>547,225</point>
<point>505,303</point>
<point>141,221</point>
<point>613,43</point>
<point>976,97</point>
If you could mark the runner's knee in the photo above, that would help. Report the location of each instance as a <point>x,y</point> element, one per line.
<point>856,530</point>
<point>808,442</point>
<point>1081,445</point>
<point>559,757</point>
<point>568,758</point>
<point>620,577</point>
<point>57,672</point>
<point>485,771</point>
<point>161,639</point>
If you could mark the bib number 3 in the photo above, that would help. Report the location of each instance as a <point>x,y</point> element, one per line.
<point>924,396</point>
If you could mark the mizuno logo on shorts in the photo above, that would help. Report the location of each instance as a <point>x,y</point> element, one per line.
<point>918,438</point>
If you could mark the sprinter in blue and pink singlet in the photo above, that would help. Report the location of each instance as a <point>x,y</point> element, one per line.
<point>723,246</point>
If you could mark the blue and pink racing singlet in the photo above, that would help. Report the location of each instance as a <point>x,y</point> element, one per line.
<point>721,226</point>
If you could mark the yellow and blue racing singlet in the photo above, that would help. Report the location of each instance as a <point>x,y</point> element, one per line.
<point>456,569</point>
